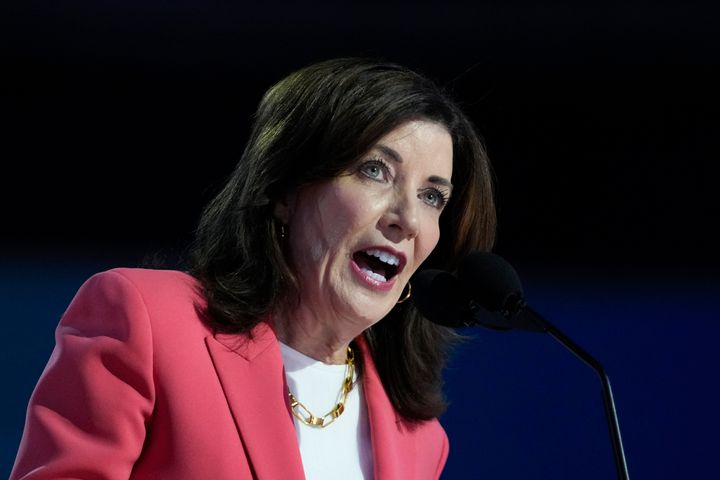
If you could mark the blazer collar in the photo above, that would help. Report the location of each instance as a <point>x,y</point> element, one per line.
<point>393,449</point>
<point>253,378</point>
<point>250,369</point>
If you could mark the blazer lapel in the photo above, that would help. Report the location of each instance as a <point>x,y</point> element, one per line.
<point>393,451</point>
<point>253,378</point>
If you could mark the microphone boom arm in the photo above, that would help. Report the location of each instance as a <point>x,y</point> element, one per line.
<point>608,401</point>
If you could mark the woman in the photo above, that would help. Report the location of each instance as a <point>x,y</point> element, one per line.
<point>288,350</point>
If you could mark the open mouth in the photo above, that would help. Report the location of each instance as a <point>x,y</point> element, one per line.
<point>378,264</point>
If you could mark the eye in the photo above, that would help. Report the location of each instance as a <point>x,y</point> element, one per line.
<point>434,197</point>
<point>375,169</point>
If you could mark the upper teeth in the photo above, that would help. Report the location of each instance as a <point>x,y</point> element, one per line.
<point>384,256</point>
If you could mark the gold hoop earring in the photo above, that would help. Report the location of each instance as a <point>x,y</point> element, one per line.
<point>407,295</point>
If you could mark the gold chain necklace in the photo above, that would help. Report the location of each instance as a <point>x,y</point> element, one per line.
<point>305,416</point>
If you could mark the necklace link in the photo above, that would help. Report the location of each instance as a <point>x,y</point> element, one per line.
<point>306,417</point>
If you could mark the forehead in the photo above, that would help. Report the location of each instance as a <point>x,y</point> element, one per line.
<point>420,142</point>
<point>415,129</point>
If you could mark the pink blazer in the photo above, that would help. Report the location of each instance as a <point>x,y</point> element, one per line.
<point>138,387</point>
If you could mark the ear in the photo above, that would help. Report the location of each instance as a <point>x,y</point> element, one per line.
<point>283,207</point>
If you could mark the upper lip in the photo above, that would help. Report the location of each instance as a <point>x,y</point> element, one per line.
<point>402,258</point>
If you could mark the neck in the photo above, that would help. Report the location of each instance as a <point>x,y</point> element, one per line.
<point>311,338</point>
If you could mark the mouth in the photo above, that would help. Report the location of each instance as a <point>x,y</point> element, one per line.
<point>379,264</point>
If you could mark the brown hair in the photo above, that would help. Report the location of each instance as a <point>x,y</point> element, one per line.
<point>313,125</point>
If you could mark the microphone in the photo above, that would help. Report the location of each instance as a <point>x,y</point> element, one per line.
<point>442,300</point>
<point>487,292</point>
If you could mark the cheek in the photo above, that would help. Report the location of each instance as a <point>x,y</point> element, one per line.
<point>342,216</point>
<point>326,222</point>
<point>427,241</point>
<point>351,207</point>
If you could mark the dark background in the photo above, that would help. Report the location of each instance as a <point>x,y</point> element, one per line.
<point>121,119</point>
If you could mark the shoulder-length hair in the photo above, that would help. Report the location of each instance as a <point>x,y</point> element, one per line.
<point>313,125</point>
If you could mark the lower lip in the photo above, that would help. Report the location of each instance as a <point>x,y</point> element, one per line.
<point>371,282</point>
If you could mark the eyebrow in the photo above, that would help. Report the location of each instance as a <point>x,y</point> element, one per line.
<point>395,156</point>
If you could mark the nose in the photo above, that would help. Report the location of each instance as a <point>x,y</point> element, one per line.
<point>400,220</point>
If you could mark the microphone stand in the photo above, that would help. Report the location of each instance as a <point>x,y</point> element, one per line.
<point>504,288</point>
<point>610,413</point>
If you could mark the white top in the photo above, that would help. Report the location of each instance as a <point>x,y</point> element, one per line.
<point>341,450</point>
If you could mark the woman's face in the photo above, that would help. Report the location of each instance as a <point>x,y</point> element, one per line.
<point>356,239</point>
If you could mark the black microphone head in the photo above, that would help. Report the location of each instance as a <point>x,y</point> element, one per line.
<point>436,294</point>
<point>491,281</point>
<point>440,298</point>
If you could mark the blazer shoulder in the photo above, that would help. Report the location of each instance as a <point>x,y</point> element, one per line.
<point>166,295</point>
<point>150,277</point>
<point>161,285</point>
